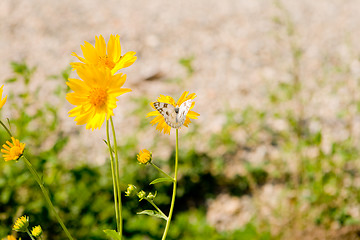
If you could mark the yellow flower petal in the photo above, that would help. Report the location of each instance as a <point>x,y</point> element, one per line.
<point>153,113</point>
<point>89,53</point>
<point>114,48</point>
<point>125,61</point>
<point>80,58</point>
<point>100,46</point>
<point>10,237</point>
<point>2,101</point>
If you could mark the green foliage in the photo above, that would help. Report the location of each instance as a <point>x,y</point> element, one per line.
<point>193,223</point>
<point>152,213</point>
<point>187,63</point>
<point>22,70</point>
<point>160,180</point>
<point>112,234</point>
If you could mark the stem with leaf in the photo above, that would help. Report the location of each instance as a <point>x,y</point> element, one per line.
<point>157,208</point>
<point>4,126</point>
<point>41,185</point>
<point>46,195</point>
<point>159,169</point>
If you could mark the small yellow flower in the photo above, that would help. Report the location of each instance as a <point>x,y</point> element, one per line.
<point>144,156</point>
<point>14,150</point>
<point>95,95</point>
<point>10,237</point>
<point>21,224</point>
<point>2,101</point>
<point>105,56</point>
<point>159,119</point>
<point>36,231</point>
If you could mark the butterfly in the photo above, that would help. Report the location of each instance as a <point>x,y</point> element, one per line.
<point>174,116</point>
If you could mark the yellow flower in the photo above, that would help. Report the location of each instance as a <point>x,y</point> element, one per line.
<point>21,224</point>
<point>159,119</point>
<point>36,231</point>
<point>105,56</point>
<point>2,101</point>
<point>14,150</point>
<point>144,156</point>
<point>10,237</point>
<point>95,95</point>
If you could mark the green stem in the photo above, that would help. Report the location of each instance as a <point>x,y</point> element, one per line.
<point>174,188</point>
<point>161,170</point>
<point>46,195</point>
<point>157,208</point>
<point>113,177</point>
<point>117,177</point>
<point>27,230</point>
<point>4,126</point>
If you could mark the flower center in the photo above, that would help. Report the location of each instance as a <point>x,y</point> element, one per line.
<point>15,152</point>
<point>98,97</point>
<point>105,61</point>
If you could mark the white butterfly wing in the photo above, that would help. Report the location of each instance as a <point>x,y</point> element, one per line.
<point>168,112</point>
<point>183,110</point>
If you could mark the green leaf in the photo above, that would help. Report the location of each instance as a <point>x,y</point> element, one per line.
<point>153,213</point>
<point>187,64</point>
<point>112,234</point>
<point>159,180</point>
<point>107,145</point>
<point>10,80</point>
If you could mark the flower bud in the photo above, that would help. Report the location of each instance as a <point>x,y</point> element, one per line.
<point>130,190</point>
<point>141,195</point>
<point>151,196</point>
<point>36,231</point>
<point>21,224</point>
<point>144,157</point>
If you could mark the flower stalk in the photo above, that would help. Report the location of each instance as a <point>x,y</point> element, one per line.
<point>46,195</point>
<point>4,126</point>
<point>113,177</point>
<point>174,188</point>
<point>117,177</point>
<point>27,230</point>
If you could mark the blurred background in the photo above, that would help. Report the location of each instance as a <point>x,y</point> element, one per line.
<point>273,155</point>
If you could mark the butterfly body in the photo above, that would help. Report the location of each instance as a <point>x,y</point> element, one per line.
<point>174,116</point>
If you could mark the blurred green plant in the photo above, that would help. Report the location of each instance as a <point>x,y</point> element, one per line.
<point>187,63</point>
